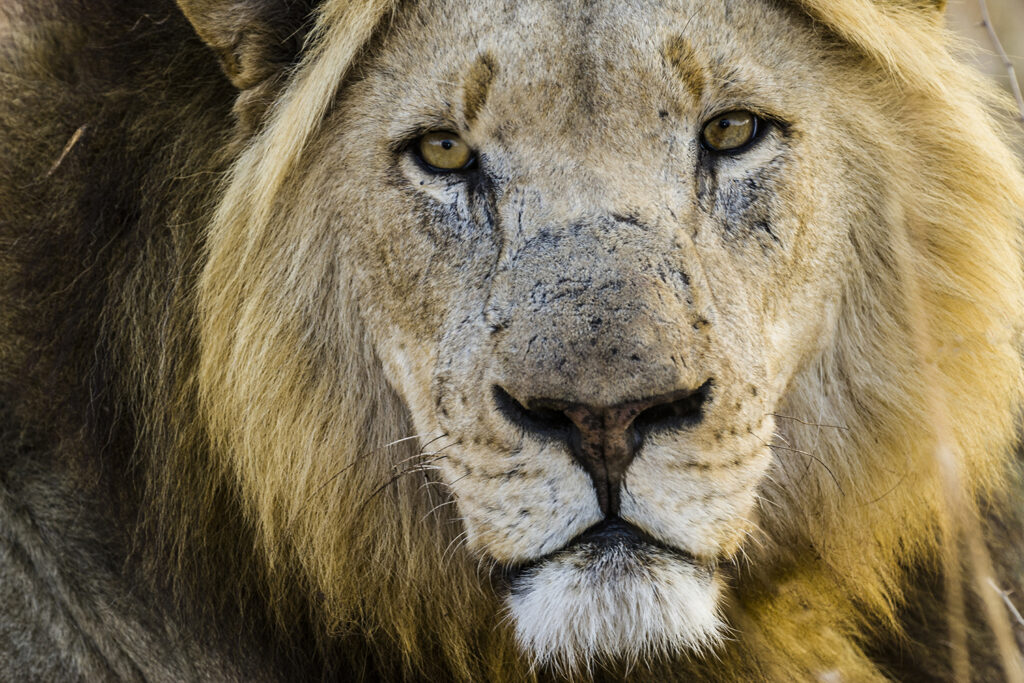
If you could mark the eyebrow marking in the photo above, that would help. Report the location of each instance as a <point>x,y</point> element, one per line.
<point>680,54</point>
<point>477,85</point>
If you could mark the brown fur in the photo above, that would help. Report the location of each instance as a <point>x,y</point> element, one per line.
<point>198,333</point>
<point>478,81</point>
<point>681,56</point>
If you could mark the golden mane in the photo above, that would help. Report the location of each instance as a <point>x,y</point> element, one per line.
<point>927,362</point>
<point>256,386</point>
<point>947,376</point>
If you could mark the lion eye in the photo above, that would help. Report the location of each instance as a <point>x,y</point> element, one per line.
<point>444,151</point>
<point>730,131</point>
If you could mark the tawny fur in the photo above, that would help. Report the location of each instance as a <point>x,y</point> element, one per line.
<point>195,328</point>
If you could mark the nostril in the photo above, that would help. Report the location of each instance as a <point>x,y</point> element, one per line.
<point>546,420</point>
<point>604,439</point>
<point>676,411</point>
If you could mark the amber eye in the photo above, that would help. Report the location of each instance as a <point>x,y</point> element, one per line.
<point>730,131</point>
<point>445,151</point>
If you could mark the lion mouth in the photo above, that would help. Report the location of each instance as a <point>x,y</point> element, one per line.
<point>615,592</point>
<point>610,536</point>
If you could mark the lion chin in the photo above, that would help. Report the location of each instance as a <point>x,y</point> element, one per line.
<point>613,594</point>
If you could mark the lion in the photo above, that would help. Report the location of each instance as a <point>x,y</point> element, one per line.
<point>447,340</point>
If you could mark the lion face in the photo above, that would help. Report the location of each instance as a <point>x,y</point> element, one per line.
<point>601,312</point>
<point>595,314</point>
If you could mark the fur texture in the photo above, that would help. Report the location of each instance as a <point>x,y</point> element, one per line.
<point>239,312</point>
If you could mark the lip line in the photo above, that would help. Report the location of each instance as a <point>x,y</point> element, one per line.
<point>621,532</point>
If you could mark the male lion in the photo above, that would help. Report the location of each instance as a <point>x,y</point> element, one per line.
<point>455,340</point>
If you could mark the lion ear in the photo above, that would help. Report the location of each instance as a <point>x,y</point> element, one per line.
<point>254,39</point>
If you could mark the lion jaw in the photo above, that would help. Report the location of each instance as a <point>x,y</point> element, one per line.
<point>621,601</point>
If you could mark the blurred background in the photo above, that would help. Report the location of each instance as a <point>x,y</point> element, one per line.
<point>965,17</point>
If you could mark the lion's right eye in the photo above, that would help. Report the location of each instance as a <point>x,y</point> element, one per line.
<point>445,152</point>
<point>730,132</point>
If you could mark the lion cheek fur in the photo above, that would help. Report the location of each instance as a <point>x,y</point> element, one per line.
<point>524,507</point>
<point>706,508</point>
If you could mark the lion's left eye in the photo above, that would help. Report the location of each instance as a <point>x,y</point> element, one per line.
<point>445,152</point>
<point>730,132</point>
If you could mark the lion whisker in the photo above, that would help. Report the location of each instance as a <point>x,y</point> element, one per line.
<point>808,463</point>
<point>781,437</point>
<point>768,501</point>
<point>420,467</point>
<point>392,480</point>
<point>809,424</point>
<point>458,540</point>
<point>360,457</point>
<point>423,453</point>
<point>436,508</point>
<point>414,436</point>
<point>893,488</point>
<point>815,458</point>
<point>812,456</point>
<point>431,482</point>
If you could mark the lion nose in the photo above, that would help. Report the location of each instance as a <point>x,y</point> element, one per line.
<point>605,439</point>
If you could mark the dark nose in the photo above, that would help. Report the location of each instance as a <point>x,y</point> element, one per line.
<point>604,440</point>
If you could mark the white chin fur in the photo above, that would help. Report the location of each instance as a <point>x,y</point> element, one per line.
<point>616,603</point>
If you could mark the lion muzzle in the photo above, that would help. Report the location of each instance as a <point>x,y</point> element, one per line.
<point>604,440</point>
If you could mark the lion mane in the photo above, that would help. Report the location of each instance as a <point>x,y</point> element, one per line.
<point>189,491</point>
